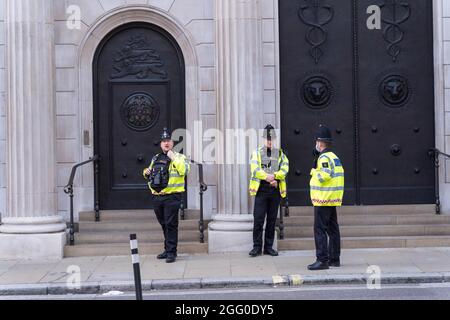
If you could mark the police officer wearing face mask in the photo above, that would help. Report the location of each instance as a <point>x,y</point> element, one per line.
<point>327,191</point>
<point>166,174</point>
<point>269,168</point>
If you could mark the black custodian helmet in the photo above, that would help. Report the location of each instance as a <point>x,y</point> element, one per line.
<point>166,134</point>
<point>324,134</point>
<point>269,132</point>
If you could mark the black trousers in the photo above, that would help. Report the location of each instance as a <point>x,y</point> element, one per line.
<point>266,205</point>
<point>326,226</point>
<point>166,208</point>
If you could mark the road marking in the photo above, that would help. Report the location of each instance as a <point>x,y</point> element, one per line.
<point>297,280</point>
<point>277,279</point>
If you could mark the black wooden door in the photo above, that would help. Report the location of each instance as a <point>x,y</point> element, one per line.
<point>373,88</point>
<point>139,88</point>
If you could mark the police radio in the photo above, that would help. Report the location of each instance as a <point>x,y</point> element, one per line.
<point>159,176</point>
<point>269,138</point>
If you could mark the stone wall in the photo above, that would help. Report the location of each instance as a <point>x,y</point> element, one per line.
<point>2,108</point>
<point>442,87</point>
<point>269,18</point>
<point>446,49</point>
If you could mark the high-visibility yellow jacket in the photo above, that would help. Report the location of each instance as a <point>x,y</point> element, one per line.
<point>327,181</point>
<point>178,170</point>
<point>258,174</point>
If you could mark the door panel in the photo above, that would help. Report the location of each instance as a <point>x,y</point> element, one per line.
<point>316,87</point>
<point>373,88</point>
<point>397,104</point>
<point>139,90</point>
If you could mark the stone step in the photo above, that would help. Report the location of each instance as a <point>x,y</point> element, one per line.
<point>375,231</point>
<point>130,215</point>
<point>370,210</point>
<point>370,242</point>
<point>353,220</point>
<point>131,226</point>
<point>155,236</point>
<point>119,249</point>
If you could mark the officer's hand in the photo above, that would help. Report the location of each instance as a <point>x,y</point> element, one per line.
<point>270,178</point>
<point>171,154</point>
<point>274,184</point>
<point>148,172</point>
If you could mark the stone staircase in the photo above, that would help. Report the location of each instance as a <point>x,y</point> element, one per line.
<point>110,236</point>
<point>405,226</point>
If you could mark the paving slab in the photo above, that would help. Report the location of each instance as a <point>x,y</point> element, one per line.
<point>98,274</point>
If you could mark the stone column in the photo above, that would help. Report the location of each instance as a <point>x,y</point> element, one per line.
<point>31,226</point>
<point>239,82</point>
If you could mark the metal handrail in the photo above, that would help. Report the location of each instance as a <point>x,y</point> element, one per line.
<point>435,154</point>
<point>68,189</point>
<point>202,187</point>
<point>284,212</point>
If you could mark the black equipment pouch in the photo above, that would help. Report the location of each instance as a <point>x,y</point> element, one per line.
<point>159,176</point>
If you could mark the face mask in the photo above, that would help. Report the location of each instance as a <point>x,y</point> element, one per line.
<point>318,148</point>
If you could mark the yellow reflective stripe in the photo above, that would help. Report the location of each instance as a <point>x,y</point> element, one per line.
<point>320,178</point>
<point>327,188</point>
<point>175,185</point>
<point>255,171</point>
<point>175,175</point>
<point>335,175</point>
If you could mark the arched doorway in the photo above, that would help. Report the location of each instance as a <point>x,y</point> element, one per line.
<point>139,88</point>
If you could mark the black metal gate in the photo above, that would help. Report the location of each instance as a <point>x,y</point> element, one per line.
<point>373,88</point>
<point>139,88</point>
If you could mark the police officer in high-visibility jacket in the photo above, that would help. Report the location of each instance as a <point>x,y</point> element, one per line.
<point>269,168</point>
<point>327,191</point>
<point>166,175</point>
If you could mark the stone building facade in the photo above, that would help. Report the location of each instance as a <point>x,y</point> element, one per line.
<point>232,70</point>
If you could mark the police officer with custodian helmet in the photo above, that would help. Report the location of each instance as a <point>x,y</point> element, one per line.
<point>269,167</point>
<point>166,175</point>
<point>327,192</point>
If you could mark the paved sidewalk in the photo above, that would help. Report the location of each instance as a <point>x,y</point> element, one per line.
<point>103,274</point>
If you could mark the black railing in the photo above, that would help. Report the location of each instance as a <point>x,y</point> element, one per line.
<point>435,154</point>
<point>202,188</point>
<point>284,212</point>
<point>69,190</point>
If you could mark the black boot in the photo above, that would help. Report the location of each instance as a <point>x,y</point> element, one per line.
<point>318,266</point>
<point>255,252</point>
<point>334,263</point>
<point>271,252</point>
<point>170,258</point>
<point>162,256</point>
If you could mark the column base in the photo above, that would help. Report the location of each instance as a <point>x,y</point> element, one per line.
<point>232,234</point>
<point>445,200</point>
<point>48,246</point>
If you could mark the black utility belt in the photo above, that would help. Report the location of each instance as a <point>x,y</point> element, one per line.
<point>166,195</point>
<point>265,184</point>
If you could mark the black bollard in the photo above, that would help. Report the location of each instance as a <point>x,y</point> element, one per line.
<point>136,266</point>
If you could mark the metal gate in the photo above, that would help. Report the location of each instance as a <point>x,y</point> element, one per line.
<point>139,88</point>
<point>373,88</point>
